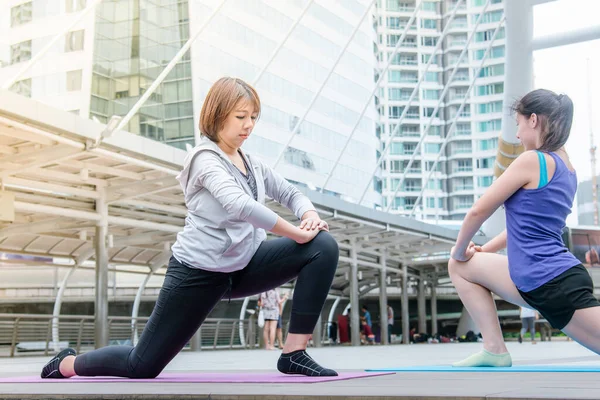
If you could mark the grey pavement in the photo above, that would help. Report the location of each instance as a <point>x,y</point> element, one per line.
<point>412,385</point>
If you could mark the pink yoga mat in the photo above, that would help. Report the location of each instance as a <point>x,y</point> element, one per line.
<point>204,377</point>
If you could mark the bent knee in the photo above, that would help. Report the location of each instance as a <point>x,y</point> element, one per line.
<point>326,243</point>
<point>145,373</point>
<point>454,267</point>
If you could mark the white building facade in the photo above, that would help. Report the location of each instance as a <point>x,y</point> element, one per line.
<point>109,59</point>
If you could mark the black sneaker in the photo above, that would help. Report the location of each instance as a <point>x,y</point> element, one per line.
<point>51,370</point>
<point>520,339</point>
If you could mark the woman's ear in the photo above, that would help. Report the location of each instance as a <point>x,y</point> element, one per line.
<point>533,120</point>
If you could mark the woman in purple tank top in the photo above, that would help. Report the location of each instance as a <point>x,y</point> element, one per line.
<point>537,191</point>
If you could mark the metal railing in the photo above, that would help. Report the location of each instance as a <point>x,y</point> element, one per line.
<point>32,333</point>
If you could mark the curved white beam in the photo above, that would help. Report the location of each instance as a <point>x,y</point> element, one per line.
<point>242,317</point>
<point>58,302</point>
<point>566,38</point>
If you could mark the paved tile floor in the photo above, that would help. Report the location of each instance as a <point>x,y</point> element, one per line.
<point>414,385</point>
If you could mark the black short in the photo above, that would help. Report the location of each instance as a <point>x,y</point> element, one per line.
<point>558,299</point>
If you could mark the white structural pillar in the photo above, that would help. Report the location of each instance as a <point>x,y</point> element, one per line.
<point>336,302</point>
<point>383,298</point>
<point>405,316</point>
<point>421,304</point>
<point>59,296</point>
<point>518,80</point>
<point>518,76</point>
<point>318,332</point>
<point>354,316</point>
<point>434,322</point>
<point>466,323</point>
<point>242,318</point>
<point>101,300</point>
<point>155,265</point>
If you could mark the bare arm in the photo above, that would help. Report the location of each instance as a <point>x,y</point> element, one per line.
<point>284,228</point>
<point>496,244</point>
<point>522,171</point>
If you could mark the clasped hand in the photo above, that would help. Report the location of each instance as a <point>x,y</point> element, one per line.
<point>465,256</point>
<point>309,228</point>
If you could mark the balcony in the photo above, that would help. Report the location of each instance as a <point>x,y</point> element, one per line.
<point>401,9</point>
<point>407,61</point>
<point>463,187</point>
<point>457,43</point>
<point>462,169</point>
<point>462,206</point>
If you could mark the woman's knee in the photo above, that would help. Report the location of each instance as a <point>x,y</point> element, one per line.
<point>326,243</point>
<point>453,268</point>
<point>145,372</point>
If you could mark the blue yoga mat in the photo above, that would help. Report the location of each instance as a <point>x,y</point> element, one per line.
<point>515,368</point>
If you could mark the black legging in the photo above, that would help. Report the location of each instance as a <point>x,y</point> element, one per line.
<point>188,295</point>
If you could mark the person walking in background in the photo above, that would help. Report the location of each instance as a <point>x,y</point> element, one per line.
<point>279,333</point>
<point>270,303</point>
<point>528,317</point>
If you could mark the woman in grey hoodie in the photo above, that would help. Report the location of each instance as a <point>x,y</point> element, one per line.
<point>222,251</point>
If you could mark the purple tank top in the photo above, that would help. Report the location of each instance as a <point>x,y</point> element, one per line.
<point>535,219</point>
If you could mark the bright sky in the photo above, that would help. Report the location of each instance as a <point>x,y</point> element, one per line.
<point>564,70</point>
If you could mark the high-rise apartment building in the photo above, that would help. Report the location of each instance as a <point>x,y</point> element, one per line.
<point>465,167</point>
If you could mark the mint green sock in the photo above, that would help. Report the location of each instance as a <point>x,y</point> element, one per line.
<point>486,359</point>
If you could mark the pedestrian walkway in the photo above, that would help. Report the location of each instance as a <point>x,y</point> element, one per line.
<point>408,385</point>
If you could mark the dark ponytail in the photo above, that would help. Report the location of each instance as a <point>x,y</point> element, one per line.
<point>555,114</point>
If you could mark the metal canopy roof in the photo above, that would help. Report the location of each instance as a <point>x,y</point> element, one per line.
<point>57,167</point>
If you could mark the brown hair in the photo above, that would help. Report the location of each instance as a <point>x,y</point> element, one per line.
<point>555,113</point>
<point>222,98</point>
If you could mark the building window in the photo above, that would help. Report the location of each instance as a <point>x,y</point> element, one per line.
<point>431,77</point>
<point>73,80</point>
<point>22,87</point>
<point>429,6</point>
<point>21,14</point>
<point>487,35</point>
<point>298,157</point>
<point>462,202</point>
<point>489,144</point>
<point>485,181</point>
<point>425,59</point>
<point>74,41</point>
<point>429,41</point>
<point>429,24</point>
<point>431,202</point>
<point>490,126</point>
<point>492,107</point>
<point>429,94</point>
<point>20,52</point>
<point>479,3</point>
<point>494,88</point>
<point>496,52</point>
<point>434,184</point>
<point>464,165</point>
<point>492,70</point>
<point>492,16</point>
<point>74,5</point>
<point>428,111</point>
<point>432,148</point>
<point>486,162</point>
<point>396,5</point>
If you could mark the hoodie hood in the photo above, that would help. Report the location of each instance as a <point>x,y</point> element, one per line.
<point>204,145</point>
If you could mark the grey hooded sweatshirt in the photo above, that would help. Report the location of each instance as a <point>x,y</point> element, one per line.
<point>224,225</point>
